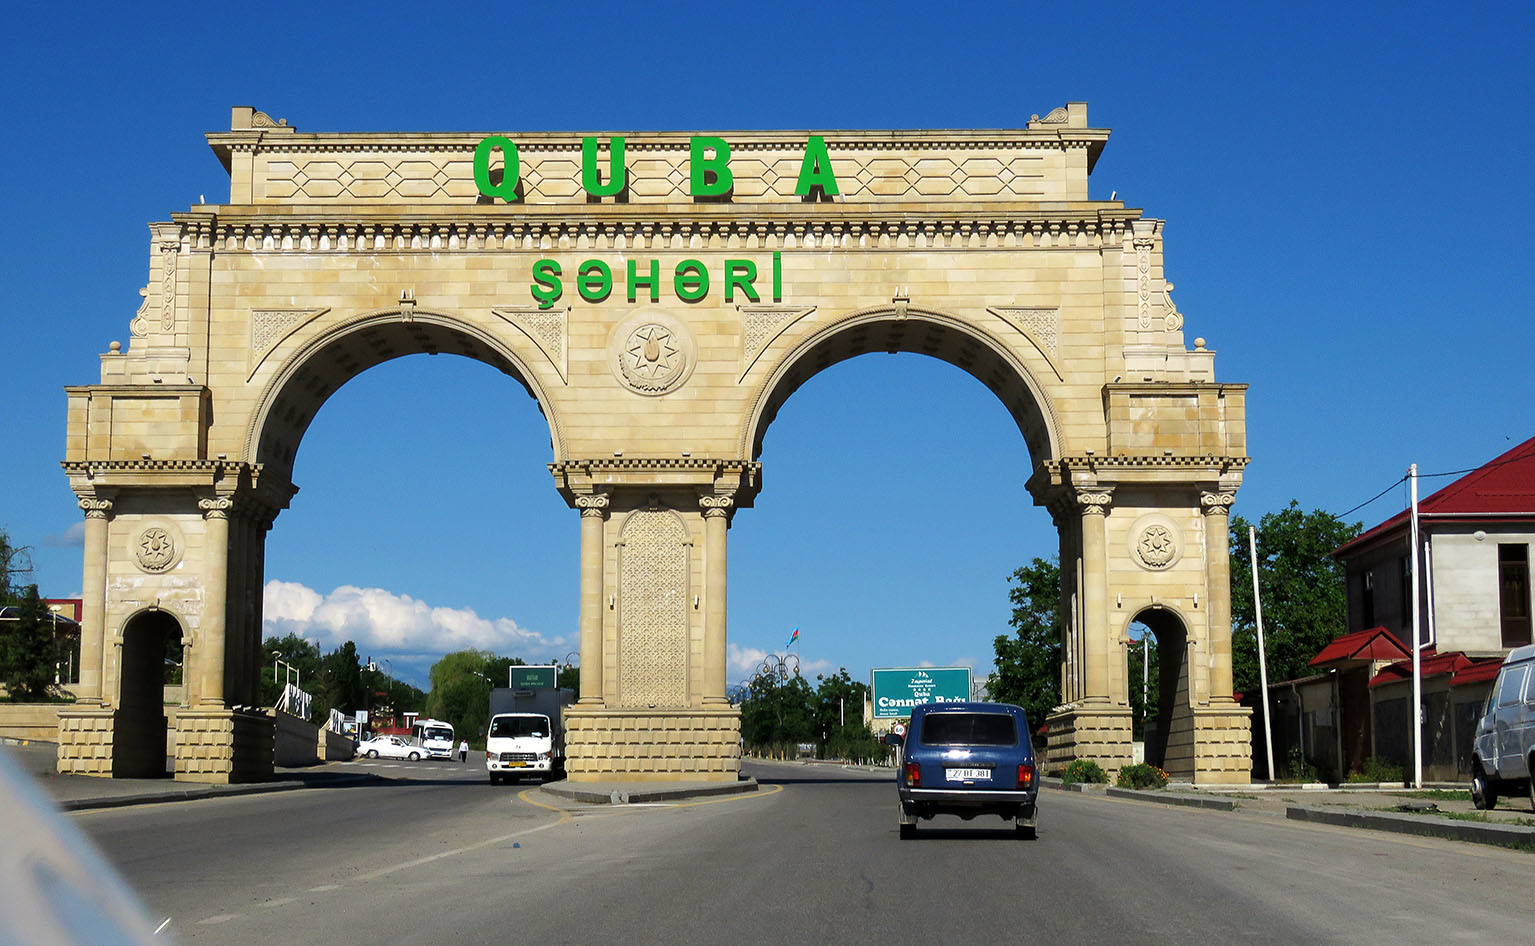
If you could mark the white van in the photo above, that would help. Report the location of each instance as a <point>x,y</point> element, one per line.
<point>1504,753</point>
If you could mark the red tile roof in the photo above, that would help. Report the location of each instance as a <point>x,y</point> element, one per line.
<point>1462,669</point>
<point>1377,643</point>
<point>1503,486</point>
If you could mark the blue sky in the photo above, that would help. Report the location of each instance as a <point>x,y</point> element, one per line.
<point>1347,190</point>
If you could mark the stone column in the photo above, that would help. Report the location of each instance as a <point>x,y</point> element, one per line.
<point>1095,591</point>
<point>94,610</point>
<point>213,628</point>
<point>594,511</point>
<point>716,510</point>
<point>1217,510</point>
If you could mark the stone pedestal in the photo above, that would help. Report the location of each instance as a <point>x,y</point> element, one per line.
<point>1211,745</point>
<point>85,741</point>
<point>222,745</point>
<point>1102,734</point>
<point>653,745</point>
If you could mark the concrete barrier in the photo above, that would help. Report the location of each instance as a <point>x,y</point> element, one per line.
<point>31,722</point>
<point>335,746</point>
<point>295,742</point>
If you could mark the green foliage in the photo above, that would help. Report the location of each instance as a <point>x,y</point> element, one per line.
<point>1145,704</point>
<point>1084,770</point>
<point>1379,769</point>
<point>461,695</point>
<point>29,655</point>
<point>1141,775</point>
<point>778,711</point>
<point>1029,662</point>
<point>1304,602</point>
<point>1301,769</point>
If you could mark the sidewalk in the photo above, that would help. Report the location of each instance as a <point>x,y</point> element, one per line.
<point>75,792</point>
<point>1438,811</point>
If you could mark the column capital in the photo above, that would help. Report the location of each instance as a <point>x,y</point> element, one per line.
<point>218,508</point>
<point>594,505</point>
<point>715,507</point>
<point>96,508</point>
<point>1095,501</point>
<point>1216,503</point>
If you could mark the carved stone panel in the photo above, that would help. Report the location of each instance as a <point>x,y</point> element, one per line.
<point>653,617</point>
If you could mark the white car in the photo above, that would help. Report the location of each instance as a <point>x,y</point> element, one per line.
<point>390,747</point>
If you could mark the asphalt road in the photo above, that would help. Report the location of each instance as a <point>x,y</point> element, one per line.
<point>442,857</point>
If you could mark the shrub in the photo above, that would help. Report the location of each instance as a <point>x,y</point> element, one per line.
<point>1377,769</point>
<point>1084,770</point>
<point>1141,775</point>
<point>1300,769</point>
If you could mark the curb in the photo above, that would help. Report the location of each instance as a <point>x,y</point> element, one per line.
<point>202,792</point>
<point>632,796</point>
<point>1187,801</point>
<point>1476,832</point>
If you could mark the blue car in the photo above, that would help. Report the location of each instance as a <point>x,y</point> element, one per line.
<point>968,759</point>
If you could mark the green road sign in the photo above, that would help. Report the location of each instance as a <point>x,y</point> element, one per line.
<point>896,691</point>
<point>533,678</point>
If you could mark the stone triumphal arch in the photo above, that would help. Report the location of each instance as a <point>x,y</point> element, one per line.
<point>660,296</point>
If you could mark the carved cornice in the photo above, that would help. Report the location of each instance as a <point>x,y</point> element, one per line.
<point>618,227</point>
<point>625,464</point>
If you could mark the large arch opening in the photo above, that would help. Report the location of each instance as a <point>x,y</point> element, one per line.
<point>916,475</point>
<point>913,331</point>
<point>432,474</point>
<point>295,395</point>
<point>151,664</point>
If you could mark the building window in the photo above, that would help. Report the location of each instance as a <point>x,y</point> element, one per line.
<point>1514,593</point>
<point>1367,599</point>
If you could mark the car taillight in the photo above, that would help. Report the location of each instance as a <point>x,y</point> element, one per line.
<point>912,773</point>
<point>1025,774</point>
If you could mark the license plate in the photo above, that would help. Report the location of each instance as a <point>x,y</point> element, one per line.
<point>517,765</point>
<point>964,775</point>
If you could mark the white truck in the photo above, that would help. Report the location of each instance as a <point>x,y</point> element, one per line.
<point>527,734</point>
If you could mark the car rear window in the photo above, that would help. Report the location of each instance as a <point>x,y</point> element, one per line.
<point>968,729</point>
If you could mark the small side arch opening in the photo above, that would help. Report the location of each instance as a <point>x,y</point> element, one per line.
<point>151,666</point>
<point>1158,678</point>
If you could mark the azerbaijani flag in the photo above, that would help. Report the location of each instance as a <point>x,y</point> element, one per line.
<point>793,637</point>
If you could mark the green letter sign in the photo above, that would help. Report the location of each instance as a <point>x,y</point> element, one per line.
<point>718,166</point>
<point>815,170</point>
<point>591,180</point>
<point>506,188</point>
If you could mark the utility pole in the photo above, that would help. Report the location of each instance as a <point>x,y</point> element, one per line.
<point>1263,666</point>
<point>1417,657</point>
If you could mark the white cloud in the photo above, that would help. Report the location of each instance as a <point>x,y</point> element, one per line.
<point>744,662</point>
<point>71,538</point>
<point>382,622</point>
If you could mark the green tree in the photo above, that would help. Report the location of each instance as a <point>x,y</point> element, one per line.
<point>298,653</point>
<point>837,719</point>
<point>1144,666</point>
<point>1305,605</point>
<point>777,713</point>
<point>29,655</point>
<point>1029,661</point>
<point>340,685</point>
<point>460,694</point>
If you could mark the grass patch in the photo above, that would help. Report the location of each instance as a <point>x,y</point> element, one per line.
<point>1439,794</point>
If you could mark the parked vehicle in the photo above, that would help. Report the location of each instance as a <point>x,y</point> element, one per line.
<point>967,759</point>
<point>1503,756</point>
<point>527,733</point>
<point>389,747</point>
<point>435,737</point>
